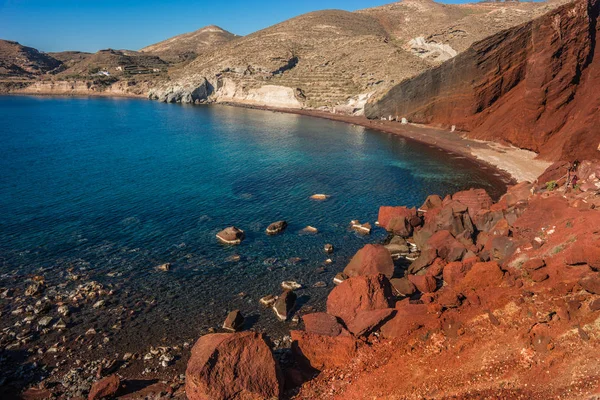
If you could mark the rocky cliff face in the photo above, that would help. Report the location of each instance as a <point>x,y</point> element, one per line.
<point>534,86</point>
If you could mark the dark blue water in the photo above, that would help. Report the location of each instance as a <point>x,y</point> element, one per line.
<point>113,187</point>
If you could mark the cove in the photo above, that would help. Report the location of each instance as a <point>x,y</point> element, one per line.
<point>106,189</point>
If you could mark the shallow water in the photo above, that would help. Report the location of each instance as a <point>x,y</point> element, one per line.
<point>114,187</point>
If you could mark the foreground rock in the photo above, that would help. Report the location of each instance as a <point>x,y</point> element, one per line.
<point>322,324</point>
<point>231,235</point>
<point>232,366</point>
<point>372,259</point>
<point>320,352</point>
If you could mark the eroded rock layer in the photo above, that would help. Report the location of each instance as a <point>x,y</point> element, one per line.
<point>534,86</point>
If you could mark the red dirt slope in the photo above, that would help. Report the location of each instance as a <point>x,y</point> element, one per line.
<point>536,86</point>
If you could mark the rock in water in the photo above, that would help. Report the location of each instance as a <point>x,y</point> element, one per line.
<point>232,366</point>
<point>231,235</point>
<point>363,229</point>
<point>320,197</point>
<point>309,229</point>
<point>164,267</point>
<point>276,227</point>
<point>372,259</point>
<point>105,388</point>
<point>284,305</point>
<point>290,285</point>
<point>268,300</point>
<point>328,248</point>
<point>339,278</point>
<point>234,321</point>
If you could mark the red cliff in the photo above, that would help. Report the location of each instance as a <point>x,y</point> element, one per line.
<point>536,86</point>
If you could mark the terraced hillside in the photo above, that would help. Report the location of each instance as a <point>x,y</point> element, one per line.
<point>330,58</point>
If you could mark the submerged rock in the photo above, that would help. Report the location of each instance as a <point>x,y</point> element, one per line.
<point>231,235</point>
<point>164,267</point>
<point>309,229</point>
<point>320,197</point>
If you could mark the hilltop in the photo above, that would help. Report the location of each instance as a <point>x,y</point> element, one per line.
<point>189,45</point>
<point>336,58</point>
<point>17,61</point>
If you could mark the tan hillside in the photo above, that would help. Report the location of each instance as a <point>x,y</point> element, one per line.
<point>189,45</point>
<point>17,61</point>
<point>327,58</point>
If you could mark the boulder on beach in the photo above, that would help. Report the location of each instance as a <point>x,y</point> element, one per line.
<point>399,220</point>
<point>320,351</point>
<point>234,321</point>
<point>231,235</point>
<point>276,228</point>
<point>321,323</point>
<point>372,259</point>
<point>232,366</point>
<point>357,294</point>
<point>284,305</point>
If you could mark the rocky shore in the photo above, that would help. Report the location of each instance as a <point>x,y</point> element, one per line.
<point>482,299</point>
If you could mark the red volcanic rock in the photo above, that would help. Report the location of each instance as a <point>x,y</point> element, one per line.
<point>485,220</point>
<point>539,275</point>
<point>371,260</point>
<point>322,324</point>
<point>424,283</point>
<point>447,246</point>
<point>483,275</point>
<point>474,199</point>
<point>403,286</point>
<point>397,219</point>
<point>436,268</point>
<point>321,352</point>
<point>448,298</point>
<point>534,264</point>
<point>594,305</point>
<point>232,366</point>
<point>502,228</point>
<point>431,202</point>
<point>359,294</point>
<point>500,247</point>
<point>534,85</point>
<point>105,388</point>
<point>517,193</point>
<point>426,258</point>
<point>584,252</point>
<point>367,321</point>
<point>591,283</point>
<point>408,318</point>
<point>454,272</point>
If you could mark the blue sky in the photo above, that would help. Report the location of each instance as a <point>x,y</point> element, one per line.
<point>91,25</point>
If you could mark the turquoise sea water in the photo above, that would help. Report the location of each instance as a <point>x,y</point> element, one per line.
<point>113,187</point>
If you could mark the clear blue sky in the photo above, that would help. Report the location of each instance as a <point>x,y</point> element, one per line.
<point>91,25</point>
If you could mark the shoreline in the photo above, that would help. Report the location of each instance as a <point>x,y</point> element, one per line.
<point>512,164</point>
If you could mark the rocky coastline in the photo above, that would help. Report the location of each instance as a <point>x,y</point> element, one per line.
<point>515,280</point>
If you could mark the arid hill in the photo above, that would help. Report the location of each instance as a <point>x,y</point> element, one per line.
<point>189,45</point>
<point>327,58</point>
<point>17,61</point>
<point>534,86</point>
